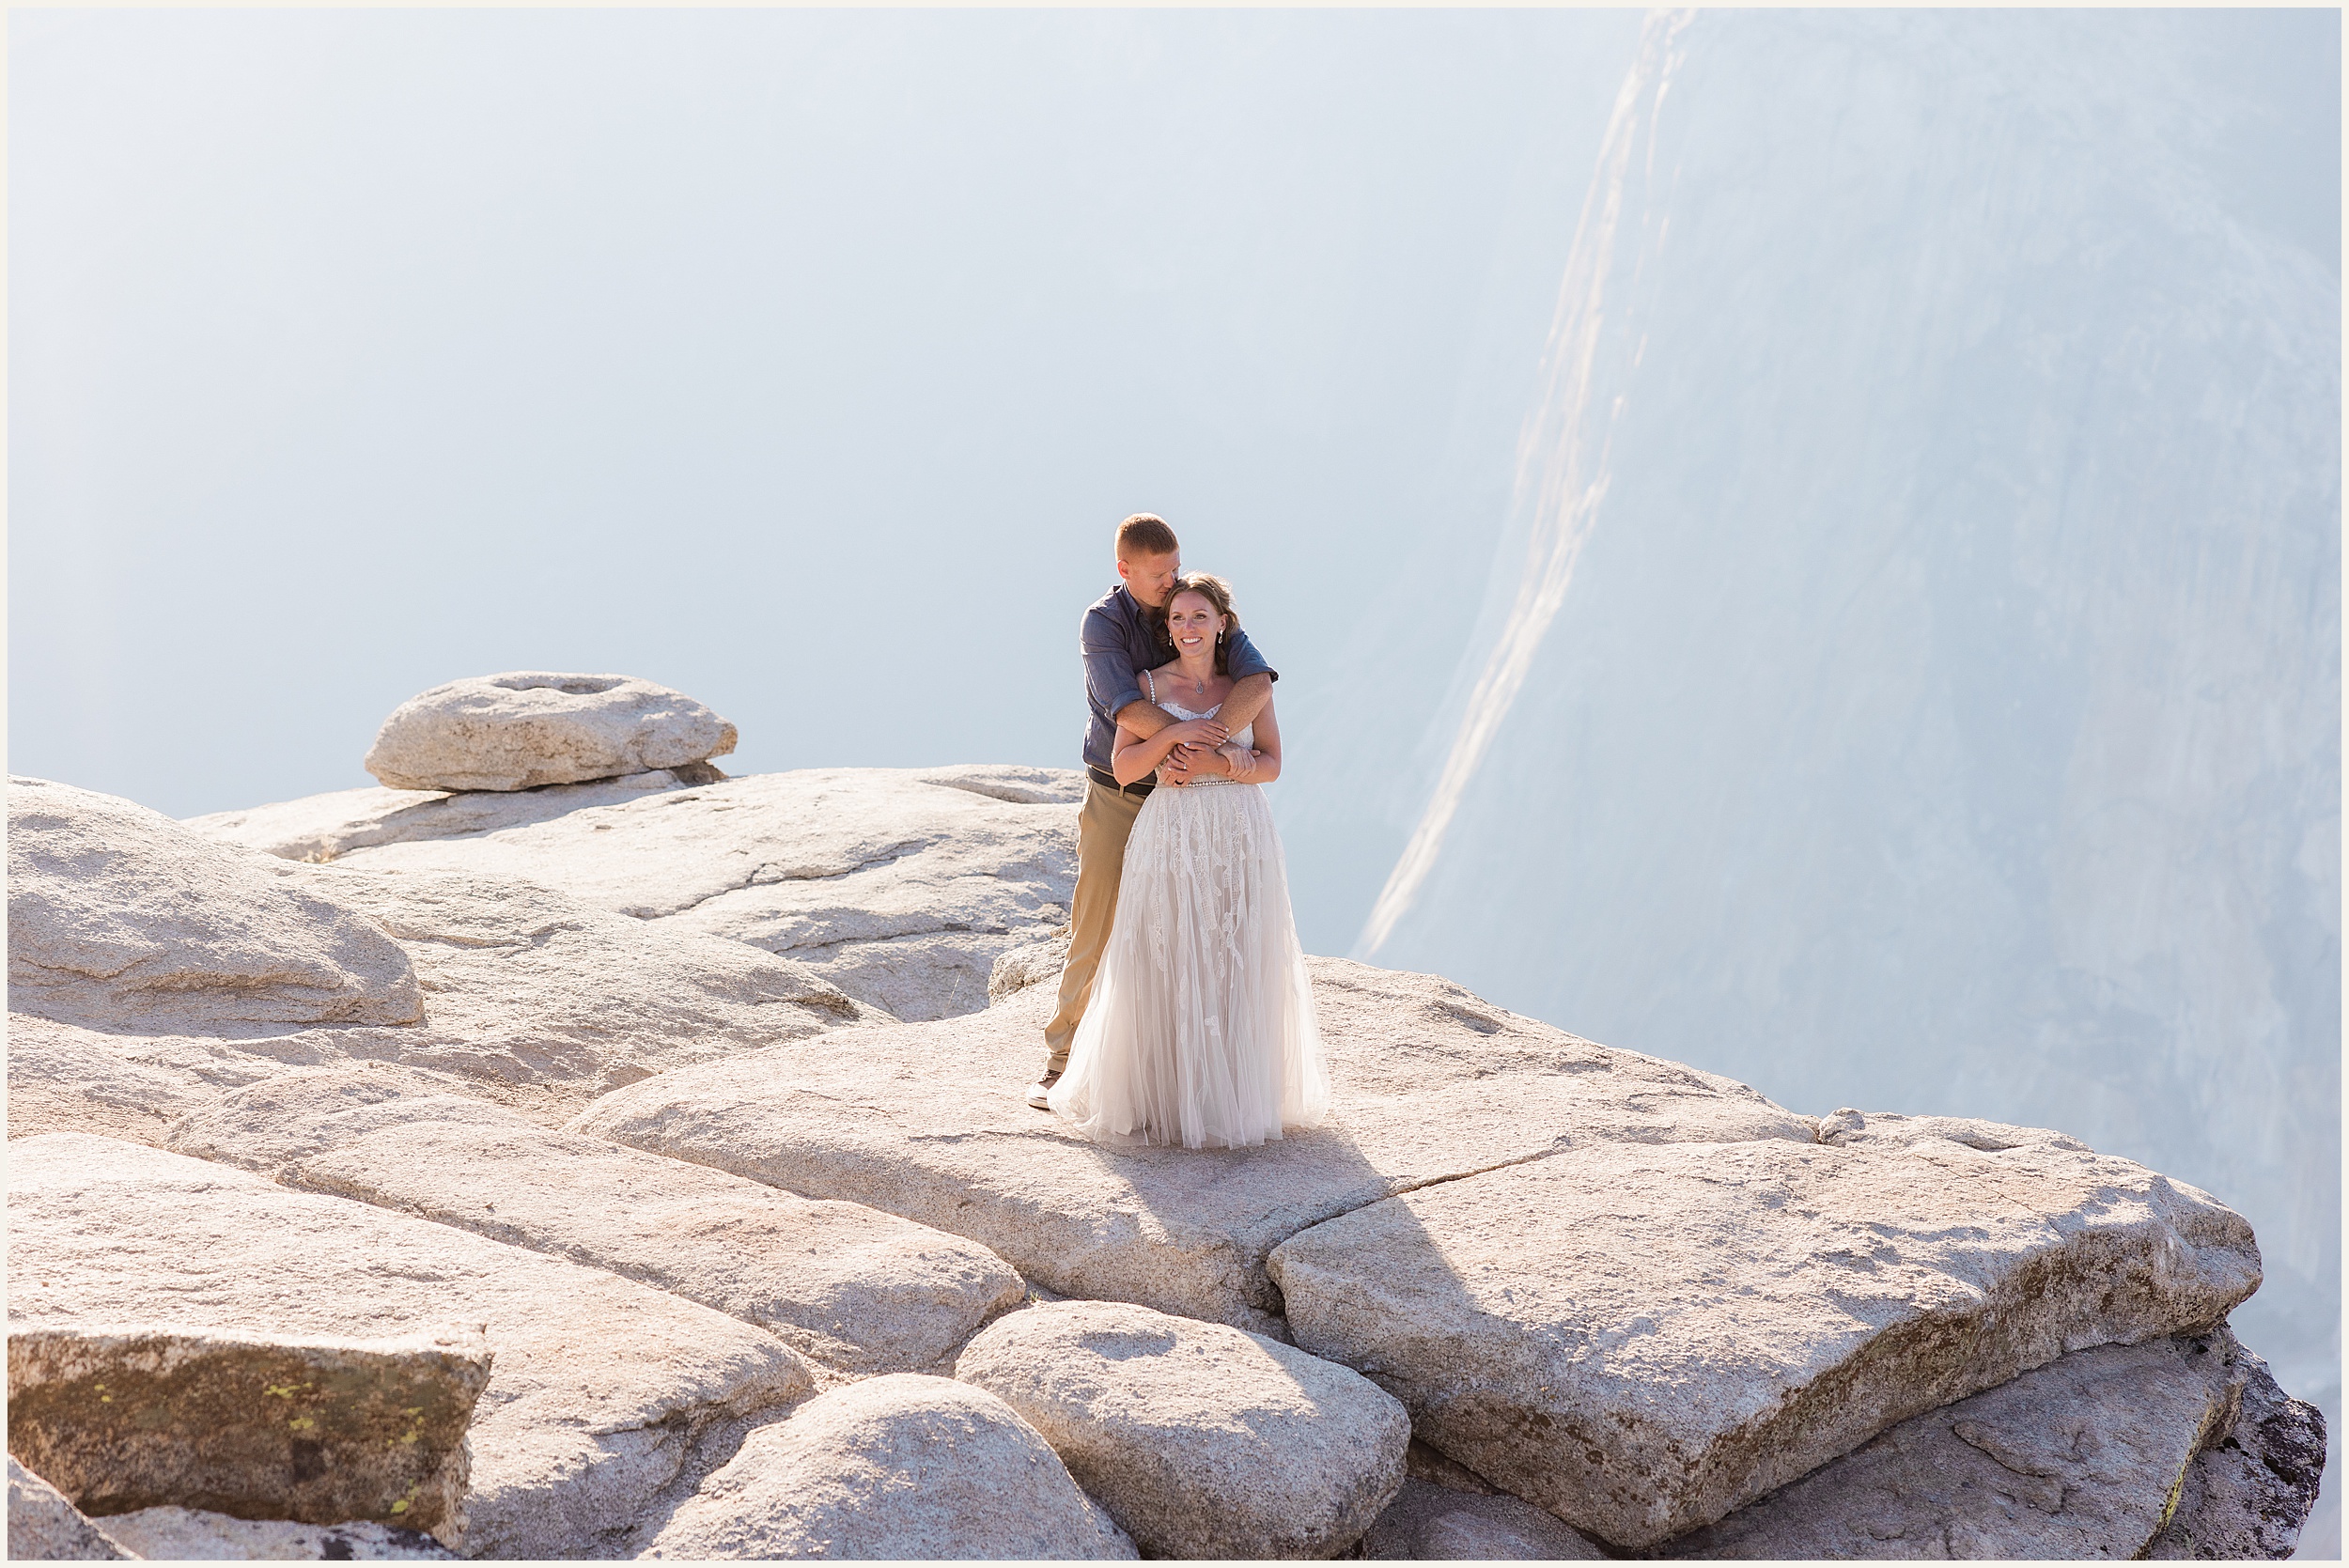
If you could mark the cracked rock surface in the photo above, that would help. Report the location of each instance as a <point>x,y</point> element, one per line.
<point>2081,1458</point>
<point>598,1387</point>
<point>854,1290</point>
<point>901,886</point>
<point>930,1121</point>
<point>2247,1493</point>
<point>1642,1337</point>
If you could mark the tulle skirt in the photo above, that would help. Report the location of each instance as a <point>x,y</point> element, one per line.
<point>1200,1030</point>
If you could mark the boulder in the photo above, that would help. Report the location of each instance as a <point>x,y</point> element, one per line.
<point>313,1429</point>
<point>191,1534</point>
<point>849,1287</point>
<point>901,886</point>
<point>1201,1440</point>
<point>930,1121</point>
<point>2247,1495</point>
<point>528,729</point>
<point>601,1387</point>
<point>1427,1523</point>
<point>43,1526</point>
<point>2081,1458</point>
<point>321,828</point>
<point>1642,1337</point>
<point>121,919</point>
<point>902,1467</point>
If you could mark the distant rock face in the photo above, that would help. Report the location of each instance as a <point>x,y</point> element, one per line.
<point>930,1121</point>
<point>1201,1440</point>
<point>2081,1458</point>
<point>121,919</point>
<point>191,1534</point>
<point>900,886</point>
<point>849,1287</point>
<point>312,1429</point>
<point>1642,1337</point>
<point>899,1466</point>
<point>1427,1523</point>
<point>527,728</point>
<point>599,1387</point>
<point>45,1527</point>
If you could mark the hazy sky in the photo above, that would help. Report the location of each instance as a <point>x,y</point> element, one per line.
<point>801,360</point>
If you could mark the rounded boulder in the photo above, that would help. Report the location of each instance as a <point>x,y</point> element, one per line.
<point>527,728</point>
<point>901,1466</point>
<point>1201,1440</point>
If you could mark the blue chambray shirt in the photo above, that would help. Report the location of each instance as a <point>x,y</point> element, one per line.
<point>1118,644</point>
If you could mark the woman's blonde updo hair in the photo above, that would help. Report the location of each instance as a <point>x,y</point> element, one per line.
<point>1218,593</point>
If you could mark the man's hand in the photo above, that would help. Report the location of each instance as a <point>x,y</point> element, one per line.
<point>1204,734</point>
<point>1239,760</point>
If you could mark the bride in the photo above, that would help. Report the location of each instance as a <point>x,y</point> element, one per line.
<point>1201,1027</point>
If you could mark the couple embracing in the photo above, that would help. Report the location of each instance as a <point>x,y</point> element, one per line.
<point>1185,1015</point>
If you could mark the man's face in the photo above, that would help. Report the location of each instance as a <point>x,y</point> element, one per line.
<point>1149,577</point>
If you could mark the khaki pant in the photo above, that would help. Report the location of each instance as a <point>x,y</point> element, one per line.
<point>1102,827</point>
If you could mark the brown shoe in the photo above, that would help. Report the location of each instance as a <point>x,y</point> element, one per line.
<point>1041,1090</point>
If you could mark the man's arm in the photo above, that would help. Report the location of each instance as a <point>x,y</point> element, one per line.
<point>1249,695</point>
<point>1252,683</point>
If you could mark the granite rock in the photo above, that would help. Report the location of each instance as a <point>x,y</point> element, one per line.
<point>601,1387</point>
<point>1036,964</point>
<point>901,1466</point>
<point>320,827</point>
<point>901,886</point>
<point>1642,1337</point>
<point>2247,1495</point>
<point>526,728</point>
<point>536,996</point>
<point>44,1527</point>
<point>304,1428</point>
<point>1201,1440</point>
<point>929,1121</point>
<point>854,1290</point>
<point>1428,1523</point>
<point>191,1534</point>
<point>2081,1458</point>
<point>121,919</point>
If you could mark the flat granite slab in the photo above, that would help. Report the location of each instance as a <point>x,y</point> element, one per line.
<point>1642,1338</point>
<point>930,1121</point>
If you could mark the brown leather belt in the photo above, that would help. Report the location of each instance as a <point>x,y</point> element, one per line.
<point>1109,781</point>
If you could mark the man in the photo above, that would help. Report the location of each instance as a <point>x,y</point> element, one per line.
<point>1122,636</point>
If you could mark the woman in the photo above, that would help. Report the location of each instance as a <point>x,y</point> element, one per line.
<point>1201,1027</point>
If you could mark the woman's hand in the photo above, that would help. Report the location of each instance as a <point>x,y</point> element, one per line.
<point>1238,760</point>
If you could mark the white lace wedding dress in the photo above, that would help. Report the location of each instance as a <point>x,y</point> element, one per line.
<point>1200,1030</point>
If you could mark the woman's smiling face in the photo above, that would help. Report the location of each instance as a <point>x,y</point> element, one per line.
<point>1193,622</point>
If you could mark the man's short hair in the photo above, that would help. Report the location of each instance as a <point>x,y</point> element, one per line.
<point>1144,534</point>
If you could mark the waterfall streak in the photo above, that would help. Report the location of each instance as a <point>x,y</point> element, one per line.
<point>1562,469</point>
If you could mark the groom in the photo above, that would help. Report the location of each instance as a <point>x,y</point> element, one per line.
<point>1123,634</point>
